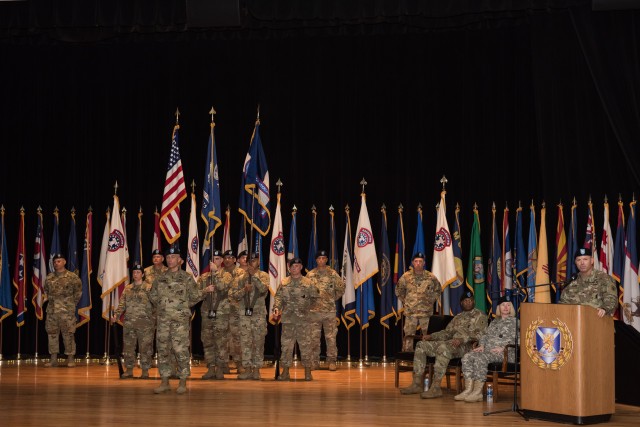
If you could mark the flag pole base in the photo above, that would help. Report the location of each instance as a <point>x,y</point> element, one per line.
<point>87,356</point>
<point>385,361</point>
<point>18,357</point>
<point>348,358</point>
<point>363,363</point>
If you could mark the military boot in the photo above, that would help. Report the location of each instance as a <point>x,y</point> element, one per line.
<point>284,375</point>
<point>307,373</point>
<point>145,374</point>
<point>468,387</point>
<point>332,365</point>
<point>219,373</point>
<point>164,386</point>
<point>211,373</point>
<point>53,361</point>
<point>71,361</point>
<point>128,373</point>
<point>476,393</point>
<point>246,374</point>
<point>256,374</point>
<point>182,387</point>
<point>415,387</point>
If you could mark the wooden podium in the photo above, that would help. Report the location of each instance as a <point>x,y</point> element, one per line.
<point>572,378</point>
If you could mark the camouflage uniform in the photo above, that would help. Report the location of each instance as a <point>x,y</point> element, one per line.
<point>138,324</point>
<point>151,272</point>
<point>293,299</point>
<point>597,290</point>
<point>499,333</point>
<point>63,292</point>
<point>323,312</point>
<point>467,327</point>
<point>233,339</point>
<point>418,293</point>
<point>215,332</point>
<point>253,329</point>
<point>172,293</point>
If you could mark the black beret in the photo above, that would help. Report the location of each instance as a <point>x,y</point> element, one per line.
<point>137,267</point>
<point>465,295</point>
<point>243,253</point>
<point>156,252</point>
<point>504,298</point>
<point>582,252</point>
<point>57,256</point>
<point>172,250</point>
<point>229,253</point>
<point>322,252</point>
<point>217,252</point>
<point>418,255</point>
<point>295,260</point>
<point>255,255</point>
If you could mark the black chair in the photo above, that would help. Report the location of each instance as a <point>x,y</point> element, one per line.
<point>502,372</point>
<point>436,323</point>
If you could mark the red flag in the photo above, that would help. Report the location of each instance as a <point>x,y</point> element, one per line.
<point>174,192</point>
<point>19,276</point>
<point>39,268</point>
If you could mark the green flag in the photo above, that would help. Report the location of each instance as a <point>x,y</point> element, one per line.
<point>475,271</point>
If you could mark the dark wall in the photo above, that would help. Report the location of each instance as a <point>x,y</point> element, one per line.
<point>529,105</point>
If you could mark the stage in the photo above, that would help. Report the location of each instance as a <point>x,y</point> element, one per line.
<point>92,394</point>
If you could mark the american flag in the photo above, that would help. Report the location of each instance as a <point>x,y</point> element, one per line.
<point>174,192</point>
<point>39,268</point>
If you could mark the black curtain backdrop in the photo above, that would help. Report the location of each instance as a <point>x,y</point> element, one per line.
<point>523,101</point>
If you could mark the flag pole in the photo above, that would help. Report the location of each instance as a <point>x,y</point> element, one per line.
<point>383,209</point>
<point>363,362</point>
<point>346,210</point>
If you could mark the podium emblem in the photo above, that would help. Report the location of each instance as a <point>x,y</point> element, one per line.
<point>549,347</point>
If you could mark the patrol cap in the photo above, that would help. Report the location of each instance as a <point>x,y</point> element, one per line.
<point>243,253</point>
<point>58,256</point>
<point>172,250</point>
<point>137,267</point>
<point>418,255</point>
<point>467,294</point>
<point>322,252</point>
<point>156,252</point>
<point>504,298</point>
<point>582,252</point>
<point>295,260</point>
<point>229,253</point>
<point>217,252</point>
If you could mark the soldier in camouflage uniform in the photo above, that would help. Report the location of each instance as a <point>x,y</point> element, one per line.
<point>593,288</point>
<point>490,349</point>
<point>63,290</point>
<point>323,312</point>
<point>209,306</point>
<point>173,293</point>
<point>418,289</point>
<point>138,323</point>
<point>454,341</point>
<point>250,291</point>
<point>235,348</point>
<point>294,298</point>
<point>155,269</point>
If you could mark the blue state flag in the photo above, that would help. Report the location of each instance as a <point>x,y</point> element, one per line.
<point>254,190</point>
<point>313,241</point>
<point>532,255</point>
<point>385,283</point>
<point>520,256</point>
<point>211,211</point>
<point>293,236</point>
<point>137,247</point>
<point>399,262</point>
<point>619,257</point>
<point>72,258</point>
<point>5,277</point>
<point>418,245</point>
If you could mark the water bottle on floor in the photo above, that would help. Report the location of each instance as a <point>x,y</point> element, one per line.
<point>426,383</point>
<point>489,393</point>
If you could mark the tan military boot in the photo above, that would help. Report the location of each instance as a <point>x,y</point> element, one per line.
<point>415,387</point>
<point>256,374</point>
<point>307,373</point>
<point>468,387</point>
<point>145,374</point>
<point>164,386</point>
<point>246,373</point>
<point>71,361</point>
<point>53,361</point>
<point>182,386</point>
<point>284,375</point>
<point>211,373</point>
<point>476,393</point>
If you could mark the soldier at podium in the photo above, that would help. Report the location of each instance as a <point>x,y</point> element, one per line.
<point>591,287</point>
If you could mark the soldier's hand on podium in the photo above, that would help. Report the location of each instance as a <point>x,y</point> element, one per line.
<point>601,312</point>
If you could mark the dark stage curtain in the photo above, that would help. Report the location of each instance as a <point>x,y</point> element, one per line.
<point>512,101</point>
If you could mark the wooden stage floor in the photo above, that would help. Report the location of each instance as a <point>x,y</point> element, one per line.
<point>92,394</point>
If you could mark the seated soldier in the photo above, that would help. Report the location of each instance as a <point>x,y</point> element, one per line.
<point>454,341</point>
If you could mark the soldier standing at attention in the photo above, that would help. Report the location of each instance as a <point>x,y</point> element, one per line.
<point>156,268</point>
<point>294,298</point>
<point>592,287</point>
<point>250,292</point>
<point>173,293</point>
<point>418,289</point>
<point>454,341</point>
<point>215,318</point>
<point>138,323</point>
<point>63,289</point>
<point>323,312</point>
<point>234,315</point>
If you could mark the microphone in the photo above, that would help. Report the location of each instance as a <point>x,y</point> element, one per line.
<point>567,282</point>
